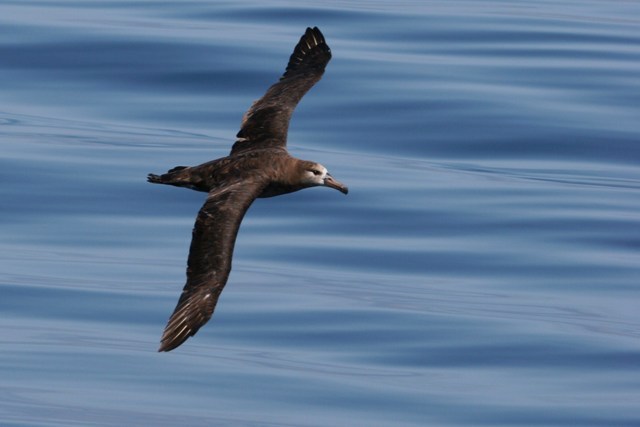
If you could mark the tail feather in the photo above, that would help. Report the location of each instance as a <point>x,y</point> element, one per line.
<point>172,177</point>
<point>156,179</point>
<point>177,168</point>
<point>180,176</point>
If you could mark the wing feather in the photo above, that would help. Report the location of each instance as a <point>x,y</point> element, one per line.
<point>266,123</point>
<point>209,263</point>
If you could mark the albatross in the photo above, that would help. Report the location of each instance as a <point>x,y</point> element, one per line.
<point>258,166</point>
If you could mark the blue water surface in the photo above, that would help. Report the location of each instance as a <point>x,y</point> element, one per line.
<point>484,270</point>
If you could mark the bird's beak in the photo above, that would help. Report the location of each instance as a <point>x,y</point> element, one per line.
<point>330,182</point>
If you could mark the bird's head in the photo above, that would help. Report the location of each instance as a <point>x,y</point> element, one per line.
<point>314,174</point>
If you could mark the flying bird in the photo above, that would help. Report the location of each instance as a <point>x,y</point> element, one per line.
<point>258,166</point>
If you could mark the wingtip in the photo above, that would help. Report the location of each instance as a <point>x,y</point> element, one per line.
<point>311,53</point>
<point>168,342</point>
<point>191,313</point>
<point>164,347</point>
<point>316,31</point>
<point>314,34</point>
<point>172,338</point>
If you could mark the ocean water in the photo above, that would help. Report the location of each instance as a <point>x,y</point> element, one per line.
<point>484,270</point>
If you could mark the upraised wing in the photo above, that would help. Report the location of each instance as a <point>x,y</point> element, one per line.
<point>266,123</point>
<point>209,264</point>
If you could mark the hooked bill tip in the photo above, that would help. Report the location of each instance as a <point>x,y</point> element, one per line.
<point>329,181</point>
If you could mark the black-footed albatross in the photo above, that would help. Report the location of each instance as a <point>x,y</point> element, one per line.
<point>258,166</point>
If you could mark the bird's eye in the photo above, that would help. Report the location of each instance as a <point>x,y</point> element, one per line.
<point>316,172</point>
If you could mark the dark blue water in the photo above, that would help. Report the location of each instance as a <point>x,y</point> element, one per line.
<point>484,269</point>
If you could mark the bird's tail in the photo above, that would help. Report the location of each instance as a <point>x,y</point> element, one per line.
<point>172,177</point>
<point>155,179</point>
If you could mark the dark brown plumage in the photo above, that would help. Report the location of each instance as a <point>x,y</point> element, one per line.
<point>258,166</point>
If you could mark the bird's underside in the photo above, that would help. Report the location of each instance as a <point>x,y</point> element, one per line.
<point>258,166</point>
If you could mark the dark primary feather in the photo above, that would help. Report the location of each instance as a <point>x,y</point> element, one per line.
<point>209,264</point>
<point>266,123</point>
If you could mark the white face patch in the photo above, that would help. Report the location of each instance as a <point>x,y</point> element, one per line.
<point>316,174</point>
<point>324,172</point>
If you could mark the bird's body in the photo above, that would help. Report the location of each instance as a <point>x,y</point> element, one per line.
<point>258,166</point>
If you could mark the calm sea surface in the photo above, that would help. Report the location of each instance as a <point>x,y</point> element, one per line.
<point>484,270</point>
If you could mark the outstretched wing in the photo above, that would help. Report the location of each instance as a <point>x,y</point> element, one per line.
<point>266,123</point>
<point>209,264</point>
